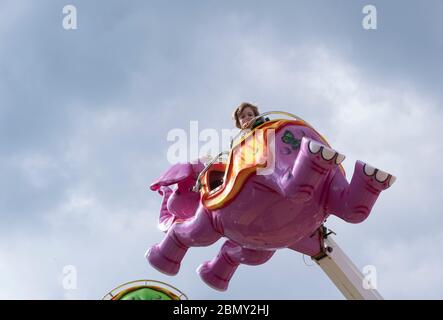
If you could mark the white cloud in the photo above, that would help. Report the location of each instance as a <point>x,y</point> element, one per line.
<point>409,268</point>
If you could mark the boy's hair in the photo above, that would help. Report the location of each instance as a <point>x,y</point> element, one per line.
<point>240,109</point>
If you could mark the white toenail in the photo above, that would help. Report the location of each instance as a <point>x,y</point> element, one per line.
<point>327,153</point>
<point>340,158</point>
<point>392,180</point>
<point>369,171</point>
<point>314,147</point>
<point>381,176</point>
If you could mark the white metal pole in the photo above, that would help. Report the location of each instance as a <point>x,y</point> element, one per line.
<point>344,274</point>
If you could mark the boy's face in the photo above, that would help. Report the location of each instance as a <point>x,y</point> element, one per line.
<point>246,115</point>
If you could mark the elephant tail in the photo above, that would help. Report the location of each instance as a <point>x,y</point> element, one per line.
<point>166,218</point>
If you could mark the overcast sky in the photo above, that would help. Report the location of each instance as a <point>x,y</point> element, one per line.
<point>85,113</point>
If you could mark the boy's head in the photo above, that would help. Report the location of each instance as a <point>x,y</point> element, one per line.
<point>244,113</point>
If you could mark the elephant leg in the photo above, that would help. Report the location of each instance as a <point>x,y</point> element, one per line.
<point>353,202</point>
<point>218,272</point>
<point>314,161</point>
<point>199,231</point>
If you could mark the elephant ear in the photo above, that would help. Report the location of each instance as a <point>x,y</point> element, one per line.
<point>175,174</point>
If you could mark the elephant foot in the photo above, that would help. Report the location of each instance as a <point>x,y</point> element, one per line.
<point>167,255</point>
<point>163,264</point>
<point>217,273</point>
<point>376,179</point>
<point>326,158</point>
<point>313,163</point>
<point>211,279</point>
<point>353,202</point>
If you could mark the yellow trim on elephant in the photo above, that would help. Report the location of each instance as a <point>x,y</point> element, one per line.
<point>245,157</point>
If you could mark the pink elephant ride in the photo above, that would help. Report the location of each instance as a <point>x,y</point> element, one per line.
<point>281,182</point>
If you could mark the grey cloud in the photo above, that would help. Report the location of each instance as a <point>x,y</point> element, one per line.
<point>85,114</point>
